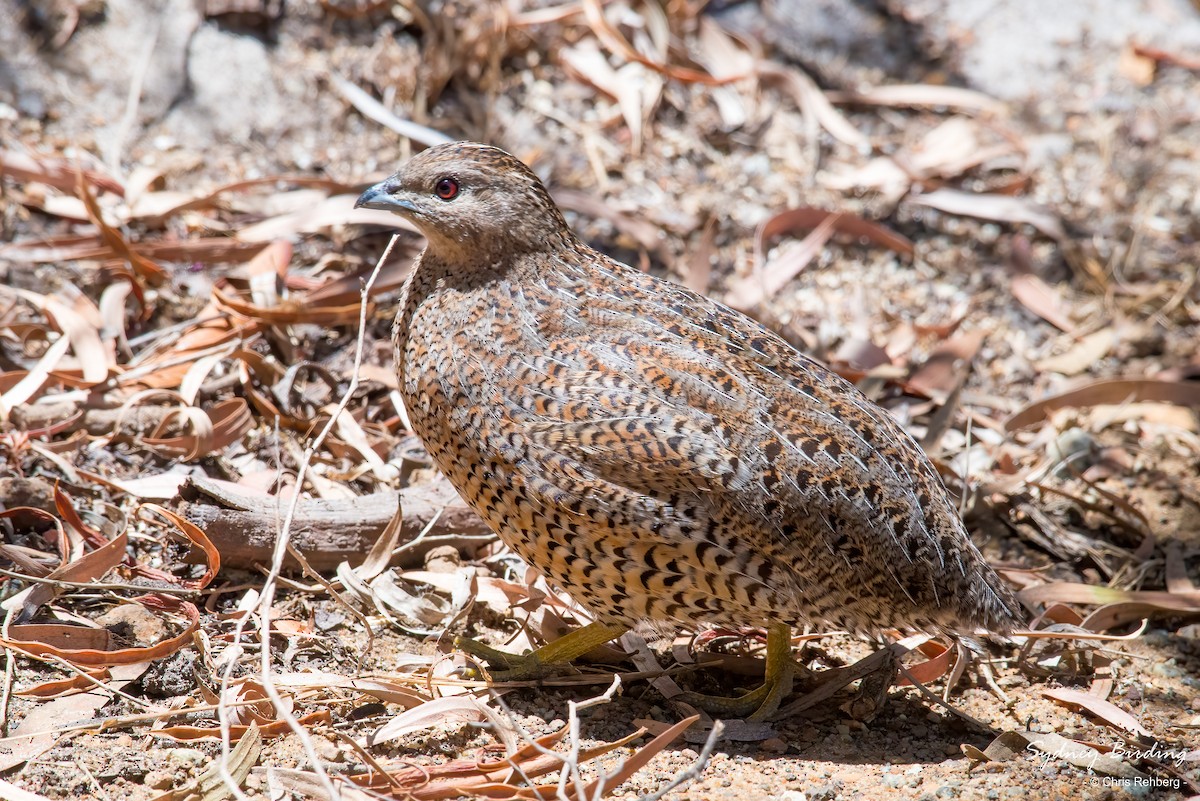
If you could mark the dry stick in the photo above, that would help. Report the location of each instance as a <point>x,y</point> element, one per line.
<point>109,724</point>
<point>177,328</point>
<point>941,420</point>
<point>227,674</point>
<point>692,771</point>
<point>411,545</point>
<point>643,659</point>
<point>966,473</point>
<point>571,762</point>
<point>570,766</point>
<point>98,683</point>
<point>281,543</point>
<point>99,585</point>
<point>579,680</point>
<point>841,677</point>
<point>99,787</point>
<point>369,759</point>
<point>519,728</point>
<point>134,373</point>
<point>9,660</point>
<point>337,597</point>
<point>571,759</point>
<point>113,156</point>
<point>235,649</point>
<point>373,110</point>
<point>933,697</point>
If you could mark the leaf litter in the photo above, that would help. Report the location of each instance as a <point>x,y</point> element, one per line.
<point>222,356</point>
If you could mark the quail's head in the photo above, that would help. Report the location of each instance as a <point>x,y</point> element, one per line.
<point>473,202</point>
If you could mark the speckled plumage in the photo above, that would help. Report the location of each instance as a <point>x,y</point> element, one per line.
<point>660,456</point>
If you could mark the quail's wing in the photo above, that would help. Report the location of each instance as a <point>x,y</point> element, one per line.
<point>678,443</point>
<point>661,391</point>
<point>656,388</point>
<point>626,417</point>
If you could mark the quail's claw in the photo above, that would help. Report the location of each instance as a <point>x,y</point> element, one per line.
<point>545,661</point>
<point>761,703</point>
<point>509,667</point>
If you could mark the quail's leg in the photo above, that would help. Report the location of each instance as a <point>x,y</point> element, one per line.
<point>545,660</point>
<point>761,703</point>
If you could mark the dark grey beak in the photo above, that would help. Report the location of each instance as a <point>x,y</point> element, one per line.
<point>380,197</point>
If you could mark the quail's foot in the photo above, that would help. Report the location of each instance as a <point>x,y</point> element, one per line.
<point>545,661</point>
<point>761,703</point>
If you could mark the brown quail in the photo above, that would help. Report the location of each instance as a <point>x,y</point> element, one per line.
<point>660,456</point>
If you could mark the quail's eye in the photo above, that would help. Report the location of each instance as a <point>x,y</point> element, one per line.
<point>446,188</point>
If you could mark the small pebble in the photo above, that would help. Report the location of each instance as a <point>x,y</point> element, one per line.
<point>1167,669</point>
<point>825,792</point>
<point>328,750</point>
<point>158,780</point>
<point>187,756</point>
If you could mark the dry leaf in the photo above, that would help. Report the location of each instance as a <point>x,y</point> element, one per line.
<point>1034,294</point>
<point>1074,593</point>
<point>1082,356</point>
<point>1186,62</point>
<point>1107,711</point>
<point>770,278</point>
<point>1183,393</point>
<point>612,39</point>
<point>951,149</point>
<point>211,784</point>
<point>1135,66</point>
<point>923,95</point>
<point>76,683</point>
<point>1001,208</point>
<point>63,642</point>
<point>941,659</point>
<point>942,372</point>
<point>812,100</point>
<point>333,211</point>
<point>446,711</point>
<point>59,173</point>
<point>645,233</point>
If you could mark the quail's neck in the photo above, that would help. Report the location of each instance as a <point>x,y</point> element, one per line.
<point>486,258</point>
